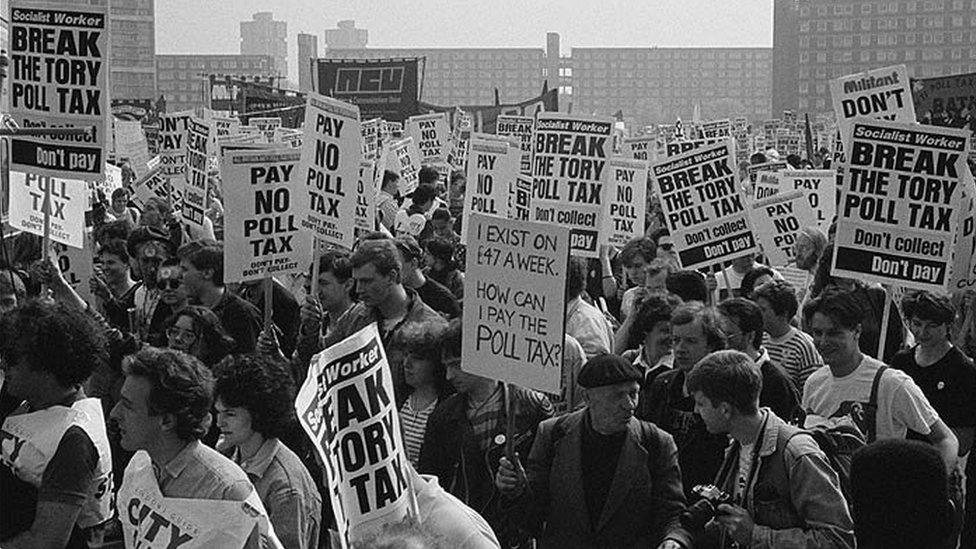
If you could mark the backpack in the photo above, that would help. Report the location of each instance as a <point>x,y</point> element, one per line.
<point>839,442</point>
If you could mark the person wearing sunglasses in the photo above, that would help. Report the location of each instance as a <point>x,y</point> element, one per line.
<point>197,331</point>
<point>172,299</point>
<point>664,244</point>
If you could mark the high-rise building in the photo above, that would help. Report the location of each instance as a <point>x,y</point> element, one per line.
<point>265,36</point>
<point>346,36</point>
<point>133,39</point>
<point>786,55</point>
<point>840,37</point>
<point>308,50</point>
<point>184,80</point>
<point>467,76</point>
<point>655,85</point>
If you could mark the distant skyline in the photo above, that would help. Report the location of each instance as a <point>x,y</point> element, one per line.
<point>192,26</point>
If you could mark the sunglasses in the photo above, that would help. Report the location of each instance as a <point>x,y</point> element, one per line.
<point>666,246</point>
<point>169,283</point>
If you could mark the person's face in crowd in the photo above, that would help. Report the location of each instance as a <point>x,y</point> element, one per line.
<point>194,280</point>
<point>656,276</point>
<point>666,251</point>
<point>114,269</point>
<point>612,406</point>
<point>169,280</point>
<point>234,423</point>
<point>927,332</point>
<point>690,344</point>
<point>744,263</point>
<point>737,339</point>
<point>372,287</point>
<point>457,192</point>
<point>332,292</point>
<point>635,269</point>
<point>434,263</point>
<point>805,251</point>
<point>833,341</point>
<point>118,204</point>
<point>760,281</point>
<point>657,342</point>
<point>770,317</point>
<point>716,418</point>
<point>182,335</point>
<point>462,381</point>
<point>418,371</point>
<point>442,227</point>
<point>138,427</point>
<point>8,302</point>
<point>151,216</point>
<point>149,258</point>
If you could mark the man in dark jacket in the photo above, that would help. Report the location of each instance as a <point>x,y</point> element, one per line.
<point>599,477</point>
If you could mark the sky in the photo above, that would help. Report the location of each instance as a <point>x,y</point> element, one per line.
<point>212,26</point>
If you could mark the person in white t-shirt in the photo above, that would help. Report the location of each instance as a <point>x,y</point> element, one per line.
<point>842,389</point>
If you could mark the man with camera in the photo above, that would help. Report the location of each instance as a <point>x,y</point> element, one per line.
<point>599,477</point>
<point>775,487</point>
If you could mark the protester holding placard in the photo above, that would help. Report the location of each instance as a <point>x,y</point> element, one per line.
<point>319,313</point>
<point>56,462</point>
<point>599,477</point>
<point>115,287</point>
<point>254,400</point>
<point>788,347</point>
<point>433,293</point>
<point>196,493</point>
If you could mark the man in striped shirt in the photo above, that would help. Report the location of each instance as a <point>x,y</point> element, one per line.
<point>787,346</point>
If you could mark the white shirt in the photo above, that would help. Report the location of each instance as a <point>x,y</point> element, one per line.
<point>901,404</point>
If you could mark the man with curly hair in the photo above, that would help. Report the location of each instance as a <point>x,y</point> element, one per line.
<point>163,411</point>
<point>55,461</point>
<point>255,398</point>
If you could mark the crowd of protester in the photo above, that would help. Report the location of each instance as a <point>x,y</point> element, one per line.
<point>699,409</point>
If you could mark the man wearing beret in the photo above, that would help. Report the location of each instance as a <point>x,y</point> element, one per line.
<point>599,477</point>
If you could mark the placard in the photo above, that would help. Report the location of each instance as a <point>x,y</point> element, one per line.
<point>777,220</point>
<point>820,187</point>
<point>67,205</point>
<point>404,159</point>
<point>267,126</point>
<point>767,185</point>
<point>626,203</point>
<point>492,168</point>
<point>172,149</point>
<point>330,168</point>
<point>879,93</point>
<point>515,309</point>
<point>675,148</point>
<point>371,138</point>
<point>900,203</point>
<point>964,257</point>
<point>195,195</point>
<point>365,200</point>
<point>520,198</point>
<point>569,177</point>
<point>77,266</point>
<point>263,198</point>
<point>640,148</point>
<point>58,75</point>
<point>347,408</point>
<point>519,127</point>
<point>703,206</point>
<point>431,133</point>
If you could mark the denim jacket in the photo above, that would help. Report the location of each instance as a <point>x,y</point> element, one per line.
<point>794,497</point>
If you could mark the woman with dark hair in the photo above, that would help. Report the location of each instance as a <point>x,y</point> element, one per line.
<point>426,380</point>
<point>754,279</point>
<point>254,398</point>
<point>197,331</point>
<point>442,265</point>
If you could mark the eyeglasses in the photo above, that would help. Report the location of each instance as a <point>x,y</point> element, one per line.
<point>178,333</point>
<point>169,283</point>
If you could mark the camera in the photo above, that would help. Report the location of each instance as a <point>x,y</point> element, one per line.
<point>696,515</point>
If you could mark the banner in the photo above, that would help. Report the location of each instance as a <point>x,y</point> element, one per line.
<point>703,206</point>
<point>492,168</point>
<point>404,159</point>
<point>900,203</point>
<point>879,93</point>
<point>67,205</point>
<point>382,88</point>
<point>484,118</point>
<point>519,127</point>
<point>431,134</point>
<point>568,177</point>
<point>347,408</point>
<point>263,196</point>
<point>777,219</point>
<point>365,222</point>
<point>195,196</point>
<point>59,79</point>
<point>514,315</point>
<point>820,187</point>
<point>331,154</point>
<point>626,203</point>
